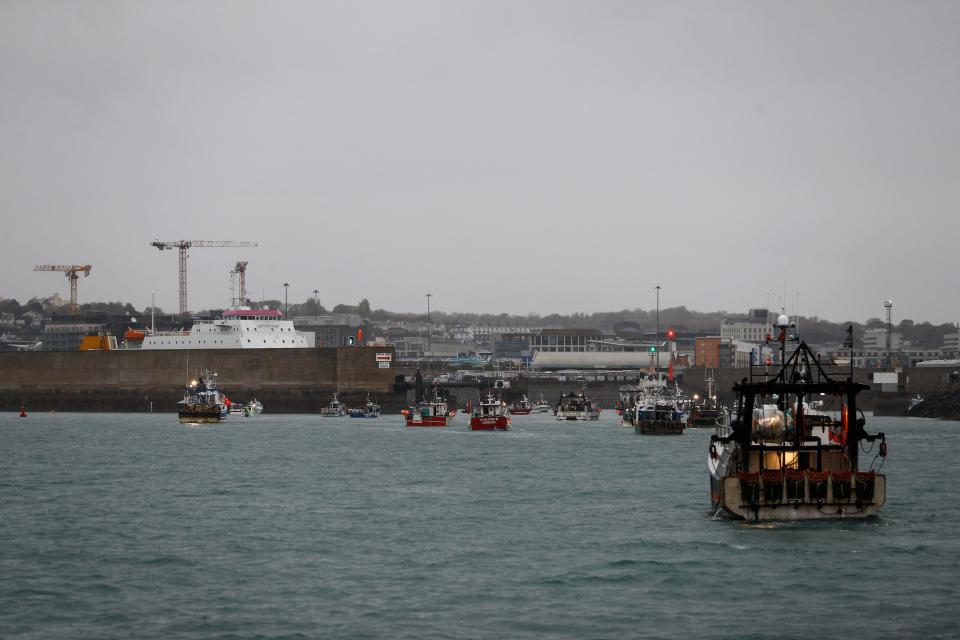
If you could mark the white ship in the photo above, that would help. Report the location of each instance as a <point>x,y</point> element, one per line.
<point>235,329</point>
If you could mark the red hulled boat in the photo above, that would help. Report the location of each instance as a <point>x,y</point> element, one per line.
<point>430,413</point>
<point>521,407</point>
<point>490,415</point>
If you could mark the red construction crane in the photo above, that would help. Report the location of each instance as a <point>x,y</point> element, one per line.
<point>183,246</point>
<point>71,271</point>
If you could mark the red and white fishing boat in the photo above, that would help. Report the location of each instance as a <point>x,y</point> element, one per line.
<point>430,413</point>
<point>521,407</point>
<point>490,414</point>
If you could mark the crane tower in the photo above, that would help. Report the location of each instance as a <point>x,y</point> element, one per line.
<point>71,271</point>
<point>183,246</point>
<point>241,272</point>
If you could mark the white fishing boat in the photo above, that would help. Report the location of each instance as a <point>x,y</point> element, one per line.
<point>252,408</point>
<point>541,406</point>
<point>577,406</point>
<point>369,410</point>
<point>335,409</point>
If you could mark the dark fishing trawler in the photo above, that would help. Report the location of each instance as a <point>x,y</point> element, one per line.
<point>203,402</point>
<point>707,411</point>
<point>776,462</point>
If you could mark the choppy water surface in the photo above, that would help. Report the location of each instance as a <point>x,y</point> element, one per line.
<point>134,526</point>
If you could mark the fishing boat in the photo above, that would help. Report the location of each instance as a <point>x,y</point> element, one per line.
<point>252,408</point>
<point>369,410</point>
<point>707,411</point>
<point>203,402</point>
<point>633,396</point>
<point>541,406</point>
<point>521,407</point>
<point>577,406</point>
<point>490,414</point>
<point>335,409</point>
<point>659,415</point>
<point>430,413</point>
<point>776,463</point>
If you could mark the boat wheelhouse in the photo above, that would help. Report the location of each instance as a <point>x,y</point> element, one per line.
<point>779,462</point>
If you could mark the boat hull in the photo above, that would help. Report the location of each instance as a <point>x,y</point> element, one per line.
<point>202,414</point>
<point>578,415</point>
<point>489,423</point>
<point>734,499</point>
<point>659,427</point>
<point>414,420</point>
<point>515,411</point>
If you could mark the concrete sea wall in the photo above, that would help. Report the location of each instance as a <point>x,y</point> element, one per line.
<point>285,380</point>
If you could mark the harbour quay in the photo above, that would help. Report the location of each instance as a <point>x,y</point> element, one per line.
<point>285,380</point>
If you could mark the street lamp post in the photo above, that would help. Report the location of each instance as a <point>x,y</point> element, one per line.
<point>286,300</point>
<point>429,326</point>
<point>316,306</point>
<point>888,305</point>
<point>657,339</point>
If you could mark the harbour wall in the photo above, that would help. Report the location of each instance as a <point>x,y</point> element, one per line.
<point>303,380</point>
<point>284,380</point>
<point>923,381</point>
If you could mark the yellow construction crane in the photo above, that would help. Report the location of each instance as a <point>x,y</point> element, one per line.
<point>71,271</point>
<point>183,246</point>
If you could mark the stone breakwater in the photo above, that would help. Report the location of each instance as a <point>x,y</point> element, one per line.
<point>284,380</point>
<point>944,405</point>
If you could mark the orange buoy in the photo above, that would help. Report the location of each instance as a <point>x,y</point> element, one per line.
<point>23,411</point>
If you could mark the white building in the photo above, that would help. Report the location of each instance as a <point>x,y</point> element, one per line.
<point>951,345</point>
<point>875,339</point>
<point>485,330</point>
<point>754,329</point>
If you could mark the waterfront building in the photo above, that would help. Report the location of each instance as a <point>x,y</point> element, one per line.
<point>951,345</point>
<point>334,330</point>
<point>755,329</point>
<point>68,336</point>
<point>565,340</point>
<point>875,339</point>
<point>512,346</point>
<point>708,352</point>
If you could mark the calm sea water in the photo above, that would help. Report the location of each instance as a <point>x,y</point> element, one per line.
<point>134,526</point>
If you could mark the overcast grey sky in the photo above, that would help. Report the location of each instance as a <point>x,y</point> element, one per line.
<point>512,156</point>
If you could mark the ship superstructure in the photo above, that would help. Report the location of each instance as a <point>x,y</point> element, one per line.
<point>235,329</point>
